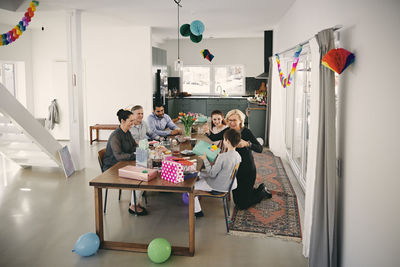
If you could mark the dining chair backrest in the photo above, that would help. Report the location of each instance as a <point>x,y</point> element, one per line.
<point>233,176</point>
<point>100,157</point>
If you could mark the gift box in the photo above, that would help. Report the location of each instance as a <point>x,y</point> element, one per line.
<point>137,173</point>
<point>172,171</point>
<point>189,165</point>
<point>210,150</point>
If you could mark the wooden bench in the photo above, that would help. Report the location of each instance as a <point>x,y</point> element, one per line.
<point>99,127</point>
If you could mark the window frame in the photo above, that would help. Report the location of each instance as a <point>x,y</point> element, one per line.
<point>212,83</point>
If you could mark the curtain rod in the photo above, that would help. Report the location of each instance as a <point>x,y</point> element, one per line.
<point>335,28</point>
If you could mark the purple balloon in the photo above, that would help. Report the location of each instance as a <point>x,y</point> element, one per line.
<point>185,198</point>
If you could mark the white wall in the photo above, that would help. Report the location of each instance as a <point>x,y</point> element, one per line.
<point>246,51</point>
<point>369,128</point>
<point>20,50</point>
<point>117,68</point>
<point>49,57</point>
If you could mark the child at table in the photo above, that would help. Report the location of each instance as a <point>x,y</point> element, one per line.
<point>218,176</point>
<point>217,125</point>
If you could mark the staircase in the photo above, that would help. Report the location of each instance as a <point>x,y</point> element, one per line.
<point>22,138</point>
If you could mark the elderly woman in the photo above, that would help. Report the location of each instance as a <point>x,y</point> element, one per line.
<point>245,195</point>
<point>122,146</point>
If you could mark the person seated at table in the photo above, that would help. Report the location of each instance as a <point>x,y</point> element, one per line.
<point>245,195</point>
<point>121,146</point>
<point>217,125</point>
<point>159,122</point>
<point>217,177</point>
<point>140,130</point>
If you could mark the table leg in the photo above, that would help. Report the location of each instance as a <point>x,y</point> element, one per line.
<point>98,207</point>
<point>191,223</point>
<point>91,136</point>
<point>97,135</point>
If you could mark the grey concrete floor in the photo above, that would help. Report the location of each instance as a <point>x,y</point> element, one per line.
<point>42,214</point>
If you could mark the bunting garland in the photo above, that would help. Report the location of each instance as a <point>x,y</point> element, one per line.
<point>287,81</point>
<point>16,32</point>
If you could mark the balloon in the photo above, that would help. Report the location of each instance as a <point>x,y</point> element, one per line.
<point>87,244</point>
<point>185,198</point>
<point>159,250</point>
<point>197,27</point>
<point>185,30</point>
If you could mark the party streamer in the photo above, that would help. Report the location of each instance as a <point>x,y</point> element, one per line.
<point>288,81</point>
<point>16,32</point>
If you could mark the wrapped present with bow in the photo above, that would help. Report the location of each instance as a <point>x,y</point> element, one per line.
<point>211,151</point>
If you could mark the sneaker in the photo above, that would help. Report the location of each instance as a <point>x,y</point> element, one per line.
<point>199,214</point>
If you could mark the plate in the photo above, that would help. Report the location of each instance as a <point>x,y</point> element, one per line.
<point>187,152</point>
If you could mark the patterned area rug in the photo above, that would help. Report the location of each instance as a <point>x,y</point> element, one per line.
<point>277,216</point>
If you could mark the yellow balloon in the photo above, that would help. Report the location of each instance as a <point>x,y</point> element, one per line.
<point>33,8</point>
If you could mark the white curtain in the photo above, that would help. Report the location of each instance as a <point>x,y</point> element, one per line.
<point>312,145</point>
<point>277,130</point>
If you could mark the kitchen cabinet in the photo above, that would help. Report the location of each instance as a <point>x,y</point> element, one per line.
<point>204,105</point>
<point>257,119</point>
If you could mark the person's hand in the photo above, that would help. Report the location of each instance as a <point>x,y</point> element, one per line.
<point>206,129</point>
<point>243,143</point>
<point>203,157</point>
<point>176,131</point>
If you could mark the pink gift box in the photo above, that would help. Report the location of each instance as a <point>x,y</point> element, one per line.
<point>137,173</point>
<point>172,171</point>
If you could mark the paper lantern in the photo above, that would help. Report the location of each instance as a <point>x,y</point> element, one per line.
<point>197,27</point>
<point>185,30</point>
<point>338,59</point>
<point>195,38</point>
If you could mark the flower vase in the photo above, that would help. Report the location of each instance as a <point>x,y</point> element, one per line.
<point>188,130</point>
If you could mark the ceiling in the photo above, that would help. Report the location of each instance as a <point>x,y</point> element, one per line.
<point>222,18</point>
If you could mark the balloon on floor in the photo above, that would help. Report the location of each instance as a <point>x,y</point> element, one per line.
<point>159,250</point>
<point>87,244</point>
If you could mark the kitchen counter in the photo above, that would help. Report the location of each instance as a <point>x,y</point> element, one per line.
<point>208,96</point>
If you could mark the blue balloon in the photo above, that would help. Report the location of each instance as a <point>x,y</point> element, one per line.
<point>197,27</point>
<point>185,198</point>
<point>87,244</point>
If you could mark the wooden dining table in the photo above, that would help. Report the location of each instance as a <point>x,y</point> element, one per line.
<point>111,180</point>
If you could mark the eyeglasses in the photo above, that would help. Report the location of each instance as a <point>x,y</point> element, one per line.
<point>233,120</point>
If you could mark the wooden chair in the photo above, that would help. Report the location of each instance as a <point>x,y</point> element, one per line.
<point>225,196</point>
<point>100,158</point>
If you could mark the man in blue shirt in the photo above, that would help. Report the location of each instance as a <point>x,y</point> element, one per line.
<point>159,122</point>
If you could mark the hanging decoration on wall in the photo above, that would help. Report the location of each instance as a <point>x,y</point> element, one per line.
<point>16,32</point>
<point>338,59</point>
<point>206,54</point>
<point>194,31</point>
<point>288,81</point>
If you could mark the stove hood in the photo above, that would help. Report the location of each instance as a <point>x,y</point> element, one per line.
<point>268,35</point>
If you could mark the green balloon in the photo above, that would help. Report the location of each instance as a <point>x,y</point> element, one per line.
<point>159,250</point>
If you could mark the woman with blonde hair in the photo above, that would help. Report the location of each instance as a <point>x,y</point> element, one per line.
<point>245,195</point>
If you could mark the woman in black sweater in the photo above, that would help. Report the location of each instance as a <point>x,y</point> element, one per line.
<point>121,146</point>
<point>245,195</point>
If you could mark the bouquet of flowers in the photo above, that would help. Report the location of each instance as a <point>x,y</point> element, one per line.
<point>188,119</point>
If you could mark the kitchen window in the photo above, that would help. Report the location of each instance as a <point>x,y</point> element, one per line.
<point>214,80</point>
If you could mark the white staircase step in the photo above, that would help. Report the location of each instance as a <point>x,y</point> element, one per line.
<point>9,128</point>
<point>4,119</point>
<point>19,146</point>
<point>7,137</point>
<point>35,163</point>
